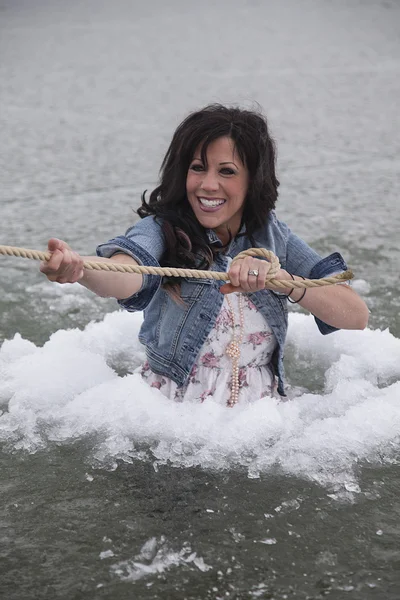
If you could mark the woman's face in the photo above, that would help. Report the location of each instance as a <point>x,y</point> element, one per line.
<point>217,192</point>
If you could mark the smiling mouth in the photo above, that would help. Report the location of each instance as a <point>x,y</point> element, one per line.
<point>210,203</point>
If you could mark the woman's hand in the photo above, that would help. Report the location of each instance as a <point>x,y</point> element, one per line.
<point>242,278</point>
<point>65,265</point>
<point>336,305</point>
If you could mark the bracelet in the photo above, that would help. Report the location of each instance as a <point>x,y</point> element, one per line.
<point>284,295</point>
<point>301,297</point>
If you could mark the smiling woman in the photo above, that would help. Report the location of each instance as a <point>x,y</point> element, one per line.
<point>216,198</point>
<point>217,190</point>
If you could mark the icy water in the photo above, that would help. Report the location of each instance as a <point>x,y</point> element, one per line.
<point>107,490</point>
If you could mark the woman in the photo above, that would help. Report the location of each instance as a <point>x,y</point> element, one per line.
<point>216,197</point>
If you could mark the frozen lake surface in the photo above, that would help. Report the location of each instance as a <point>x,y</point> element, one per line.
<point>109,491</point>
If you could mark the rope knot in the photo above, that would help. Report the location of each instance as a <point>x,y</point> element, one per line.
<point>263,253</point>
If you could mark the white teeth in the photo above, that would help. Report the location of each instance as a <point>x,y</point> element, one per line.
<point>210,203</point>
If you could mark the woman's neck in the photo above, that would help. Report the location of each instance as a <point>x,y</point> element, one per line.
<point>226,234</point>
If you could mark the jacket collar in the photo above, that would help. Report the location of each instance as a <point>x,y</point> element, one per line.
<point>214,239</point>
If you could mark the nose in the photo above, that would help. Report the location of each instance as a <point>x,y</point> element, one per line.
<point>210,181</point>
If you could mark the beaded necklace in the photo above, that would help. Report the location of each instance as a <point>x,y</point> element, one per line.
<point>233,349</point>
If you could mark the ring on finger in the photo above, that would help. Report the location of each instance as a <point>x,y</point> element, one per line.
<point>253,272</point>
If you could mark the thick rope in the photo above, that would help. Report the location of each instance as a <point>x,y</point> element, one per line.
<point>172,272</point>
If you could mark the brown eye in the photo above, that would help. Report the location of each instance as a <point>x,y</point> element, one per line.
<point>197,168</point>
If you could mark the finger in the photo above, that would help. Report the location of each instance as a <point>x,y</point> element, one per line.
<point>228,288</point>
<point>43,266</point>
<point>64,279</point>
<point>56,244</point>
<point>80,274</point>
<point>71,268</point>
<point>263,270</point>
<point>53,264</point>
<point>67,260</point>
<point>68,267</point>
<point>246,280</point>
<point>52,277</point>
<point>53,244</point>
<point>253,276</point>
<point>234,273</point>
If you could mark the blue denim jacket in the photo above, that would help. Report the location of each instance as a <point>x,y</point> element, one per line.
<point>174,333</point>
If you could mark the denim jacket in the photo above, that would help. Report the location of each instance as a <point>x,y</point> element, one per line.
<point>174,333</point>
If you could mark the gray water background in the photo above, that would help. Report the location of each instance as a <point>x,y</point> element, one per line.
<point>90,95</point>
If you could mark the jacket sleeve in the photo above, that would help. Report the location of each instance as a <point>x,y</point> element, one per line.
<point>303,260</point>
<point>144,242</point>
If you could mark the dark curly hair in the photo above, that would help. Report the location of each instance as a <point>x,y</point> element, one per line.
<point>186,240</point>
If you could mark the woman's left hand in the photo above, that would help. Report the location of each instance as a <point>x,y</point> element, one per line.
<point>247,275</point>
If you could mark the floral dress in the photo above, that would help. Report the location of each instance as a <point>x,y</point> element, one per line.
<point>211,375</point>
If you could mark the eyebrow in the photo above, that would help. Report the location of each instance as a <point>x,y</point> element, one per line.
<point>228,162</point>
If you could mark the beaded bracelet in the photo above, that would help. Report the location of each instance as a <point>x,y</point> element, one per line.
<point>301,297</point>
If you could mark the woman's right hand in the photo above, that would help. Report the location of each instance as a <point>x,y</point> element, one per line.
<point>64,265</point>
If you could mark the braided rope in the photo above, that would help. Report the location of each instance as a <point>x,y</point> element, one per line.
<point>172,272</point>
